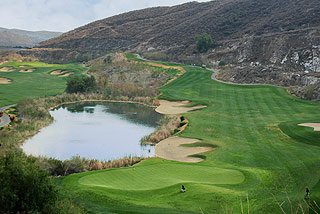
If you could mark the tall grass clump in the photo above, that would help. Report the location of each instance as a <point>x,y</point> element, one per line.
<point>77,164</point>
<point>167,127</point>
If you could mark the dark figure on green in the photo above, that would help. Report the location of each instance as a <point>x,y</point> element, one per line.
<point>307,193</point>
<point>183,189</point>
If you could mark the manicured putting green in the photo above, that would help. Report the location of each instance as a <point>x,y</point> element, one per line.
<point>150,177</point>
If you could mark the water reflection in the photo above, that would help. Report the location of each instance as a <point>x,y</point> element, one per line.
<point>95,130</point>
<point>136,113</point>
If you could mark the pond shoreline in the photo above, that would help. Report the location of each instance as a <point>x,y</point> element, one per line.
<point>111,101</point>
<point>105,122</point>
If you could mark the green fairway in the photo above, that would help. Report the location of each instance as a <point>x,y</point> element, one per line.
<point>254,157</point>
<point>38,83</point>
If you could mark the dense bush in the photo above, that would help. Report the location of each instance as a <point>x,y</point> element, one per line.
<point>81,84</point>
<point>222,63</point>
<point>204,42</point>
<point>24,186</point>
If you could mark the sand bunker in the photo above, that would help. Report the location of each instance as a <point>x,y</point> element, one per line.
<point>7,69</point>
<point>316,126</point>
<point>58,72</point>
<point>23,66</point>
<point>4,81</point>
<point>171,149</point>
<point>27,71</point>
<point>167,107</point>
<point>67,74</point>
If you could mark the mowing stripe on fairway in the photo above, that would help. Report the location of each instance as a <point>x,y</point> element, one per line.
<point>243,122</point>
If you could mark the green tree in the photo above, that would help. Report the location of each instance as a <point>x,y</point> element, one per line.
<point>24,187</point>
<point>87,57</point>
<point>222,63</point>
<point>80,84</point>
<point>204,42</point>
<point>78,58</point>
<point>108,59</point>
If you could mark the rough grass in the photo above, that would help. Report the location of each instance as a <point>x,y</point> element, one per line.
<point>39,83</point>
<point>301,134</point>
<point>243,123</point>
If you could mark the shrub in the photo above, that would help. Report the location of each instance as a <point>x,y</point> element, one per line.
<point>74,165</point>
<point>108,59</point>
<point>168,126</point>
<point>182,124</point>
<point>204,42</point>
<point>309,92</point>
<point>24,186</point>
<point>222,63</point>
<point>81,84</point>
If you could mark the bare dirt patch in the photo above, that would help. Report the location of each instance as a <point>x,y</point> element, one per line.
<point>166,66</point>
<point>26,70</point>
<point>171,149</point>
<point>67,74</point>
<point>7,69</point>
<point>4,81</point>
<point>316,126</point>
<point>181,69</point>
<point>167,107</point>
<point>58,72</point>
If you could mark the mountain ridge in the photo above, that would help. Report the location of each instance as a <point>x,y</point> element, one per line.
<point>24,38</point>
<point>276,41</point>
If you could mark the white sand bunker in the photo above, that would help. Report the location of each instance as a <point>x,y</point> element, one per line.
<point>167,107</point>
<point>7,69</point>
<point>58,72</point>
<point>27,70</point>
<point>67,74</point>
<point>4,81</point>
<point>171,149</point>
<point>316,126</point>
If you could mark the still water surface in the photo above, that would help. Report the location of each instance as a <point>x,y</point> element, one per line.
<point>102,131</point>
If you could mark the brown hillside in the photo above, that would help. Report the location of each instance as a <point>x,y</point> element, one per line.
<point>261,40</point>
<point>8,39</point>
<point>171,26</point>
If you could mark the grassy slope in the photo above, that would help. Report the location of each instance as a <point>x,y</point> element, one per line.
<point>36,84</point>
<point>243,122</point>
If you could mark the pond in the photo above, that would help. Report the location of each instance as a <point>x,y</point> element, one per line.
<point>103,131</point>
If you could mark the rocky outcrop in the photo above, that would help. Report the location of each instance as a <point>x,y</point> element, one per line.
<point>274,41</point>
